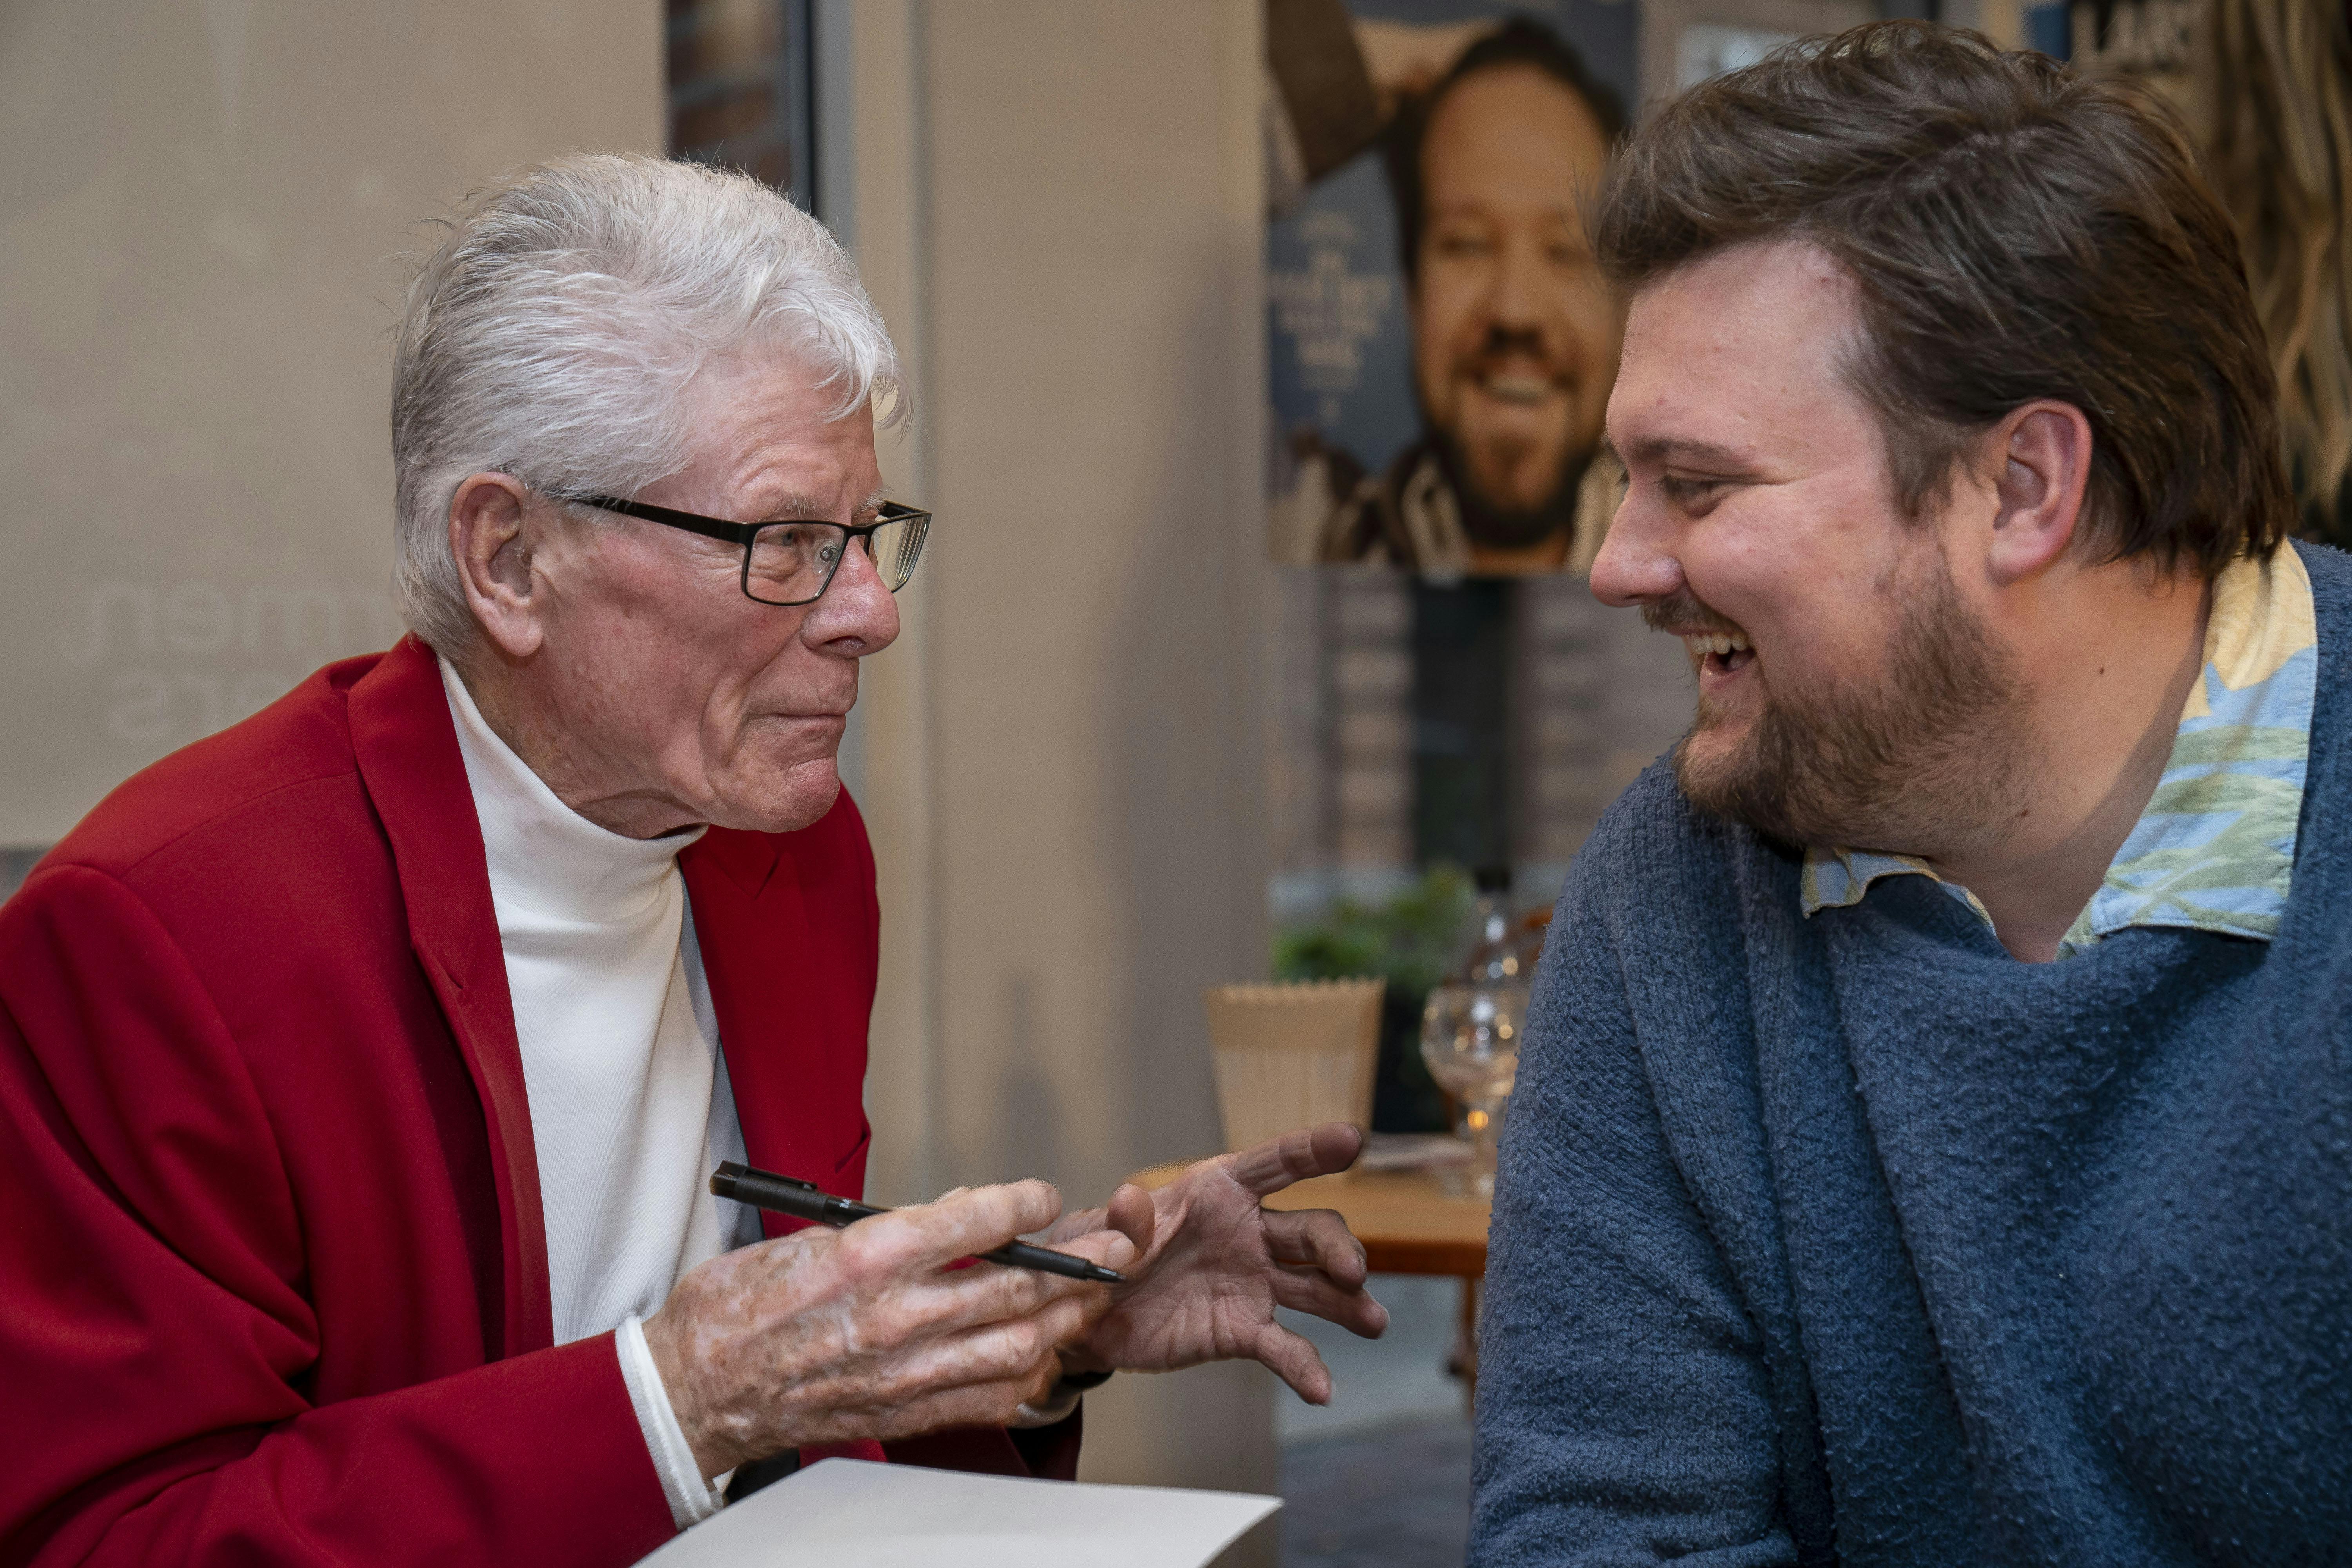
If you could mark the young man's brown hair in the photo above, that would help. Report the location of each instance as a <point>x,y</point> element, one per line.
<point>2015,229</point>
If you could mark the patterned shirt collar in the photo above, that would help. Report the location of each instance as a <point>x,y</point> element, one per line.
<point>2215,848</point>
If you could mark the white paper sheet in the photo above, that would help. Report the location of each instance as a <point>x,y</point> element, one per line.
<point>844,1513</point>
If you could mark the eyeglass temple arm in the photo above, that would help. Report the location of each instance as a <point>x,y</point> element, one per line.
<point>734,532</point>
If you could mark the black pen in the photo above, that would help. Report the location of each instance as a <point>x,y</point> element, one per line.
<point>807,1200</point>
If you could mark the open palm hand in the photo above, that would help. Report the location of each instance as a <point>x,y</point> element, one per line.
<point>1213,1264</point>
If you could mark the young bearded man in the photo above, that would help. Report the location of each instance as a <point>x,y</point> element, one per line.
<point>1933,1137</point>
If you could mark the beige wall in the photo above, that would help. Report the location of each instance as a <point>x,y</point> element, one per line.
<point>1062,761</point>
<point>201,206</point>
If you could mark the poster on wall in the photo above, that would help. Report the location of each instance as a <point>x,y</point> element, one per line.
<point>1441,347</point>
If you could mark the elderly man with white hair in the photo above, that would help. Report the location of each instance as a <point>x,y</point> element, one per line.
<point>362,1067</point>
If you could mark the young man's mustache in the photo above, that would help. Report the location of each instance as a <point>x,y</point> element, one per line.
<point>1686,612</point>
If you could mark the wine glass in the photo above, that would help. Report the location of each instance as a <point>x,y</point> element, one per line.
<point>1470,1038</point>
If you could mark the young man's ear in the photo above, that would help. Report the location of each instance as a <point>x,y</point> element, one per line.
<point>2040,462</point>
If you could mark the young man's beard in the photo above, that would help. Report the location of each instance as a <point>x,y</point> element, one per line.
<point>1934,759</point>
<point>1494,524</point>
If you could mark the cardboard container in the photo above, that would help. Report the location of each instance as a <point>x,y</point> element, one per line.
<point>1294,1055</point>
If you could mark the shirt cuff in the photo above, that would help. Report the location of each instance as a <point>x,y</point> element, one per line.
<point>691,1499</point>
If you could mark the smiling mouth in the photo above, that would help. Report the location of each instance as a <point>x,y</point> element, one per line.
<point>1720,653</point>
<point>1517,387</point>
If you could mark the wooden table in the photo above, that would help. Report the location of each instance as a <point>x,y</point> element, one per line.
<point>1408,1224</point>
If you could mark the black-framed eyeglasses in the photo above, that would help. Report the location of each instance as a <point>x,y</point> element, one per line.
<point>793,563</point>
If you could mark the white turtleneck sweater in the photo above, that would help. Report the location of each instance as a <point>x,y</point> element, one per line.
<point>630,1109</point>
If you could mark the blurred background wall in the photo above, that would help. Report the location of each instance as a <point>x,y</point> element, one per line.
<point>204,204</point>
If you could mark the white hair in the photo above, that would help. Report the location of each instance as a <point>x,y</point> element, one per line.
<point>552,334</point>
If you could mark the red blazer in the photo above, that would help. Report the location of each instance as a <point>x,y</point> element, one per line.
<point>273,1275</point>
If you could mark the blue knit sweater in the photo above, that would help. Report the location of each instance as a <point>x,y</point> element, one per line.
<point>1853,1239</point>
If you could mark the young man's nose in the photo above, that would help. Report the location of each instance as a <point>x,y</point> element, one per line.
<point>1636,565</point>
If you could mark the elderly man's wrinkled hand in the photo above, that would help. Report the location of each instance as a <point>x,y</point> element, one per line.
<point>1212,1264</point>
<point>830,1336</point>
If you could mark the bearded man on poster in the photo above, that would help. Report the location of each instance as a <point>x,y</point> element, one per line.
<point>362,1067</point>
<point>1514,331</point>
<point>1933,1138</point>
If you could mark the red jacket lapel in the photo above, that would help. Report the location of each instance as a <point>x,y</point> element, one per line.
<point>407,749</point>
<point>789,932</point>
